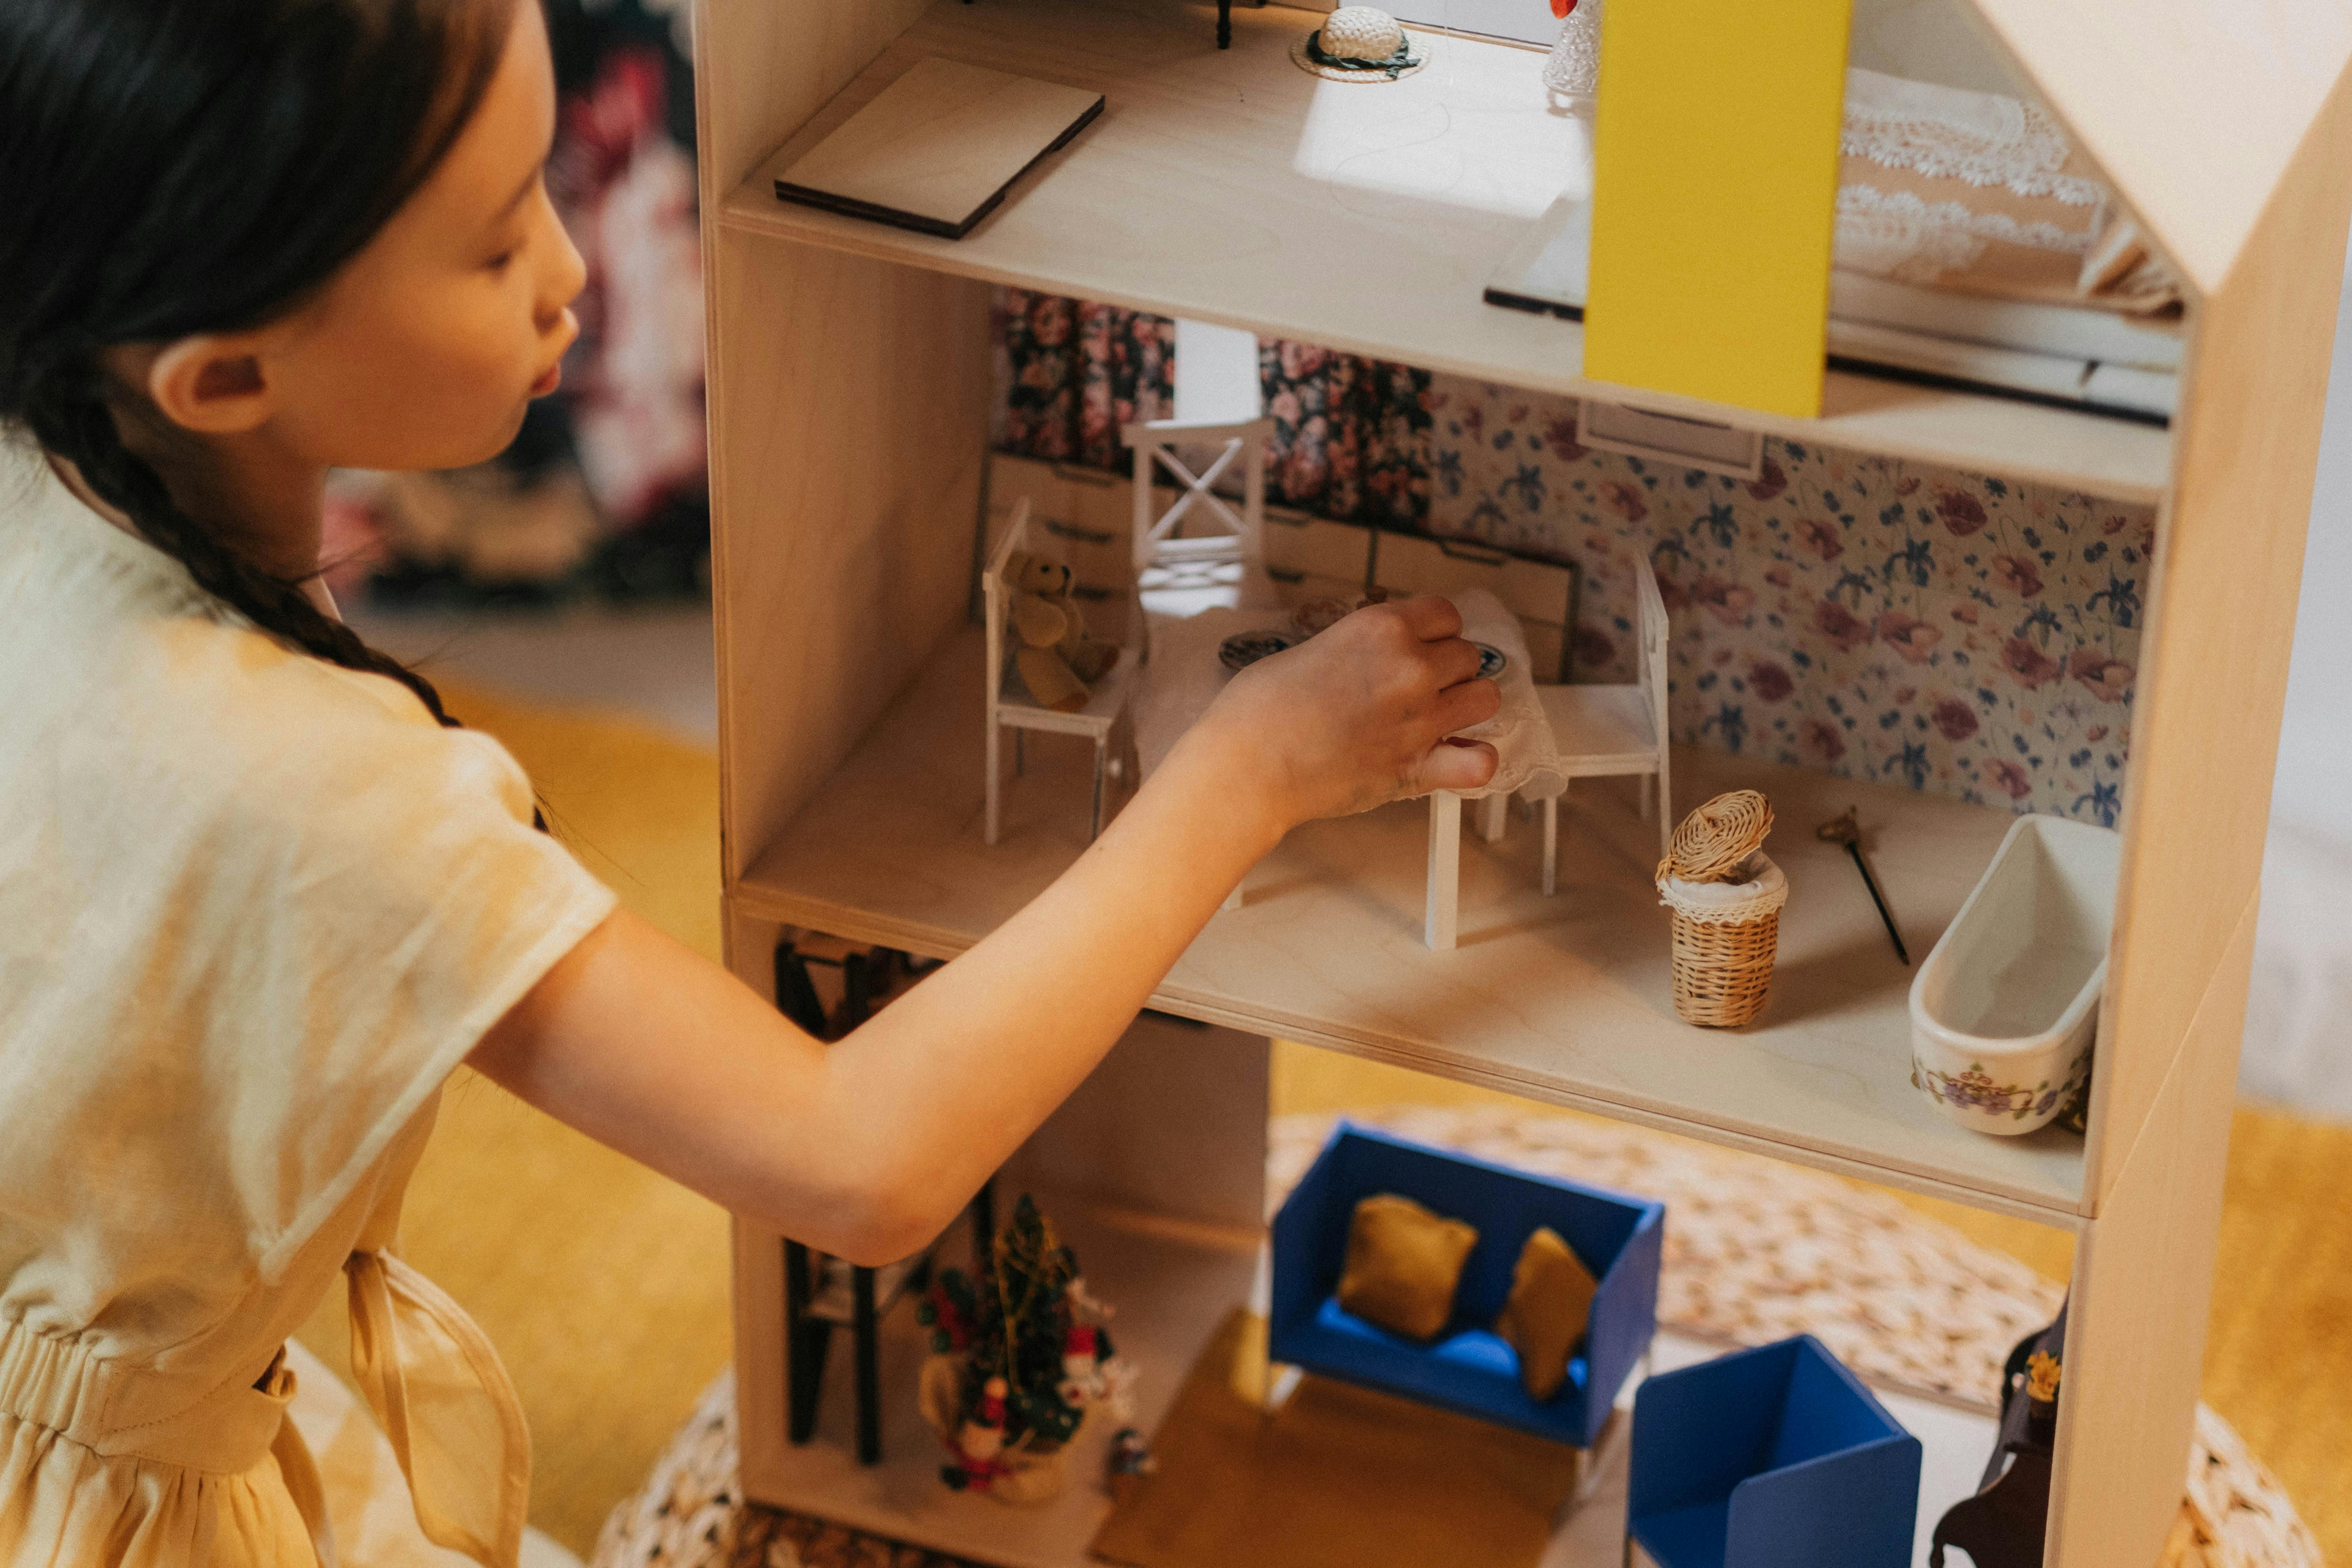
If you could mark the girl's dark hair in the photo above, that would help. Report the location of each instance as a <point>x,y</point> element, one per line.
<point>171,167</point>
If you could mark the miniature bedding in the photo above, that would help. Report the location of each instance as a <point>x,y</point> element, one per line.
<point>1182,676</point>
<point>1983,193</point>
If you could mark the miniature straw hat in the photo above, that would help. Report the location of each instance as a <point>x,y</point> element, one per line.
<point>1358,43</point>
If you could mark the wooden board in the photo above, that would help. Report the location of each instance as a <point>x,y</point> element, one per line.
<point>762,68</point>
<point>939,149</point>
<point>1715,195</point>
<point>2194,112</point>
<point>1171,1123</point>
<point>2212,680</point>
<point>831,579</point>
<point>1563,999</point>
<point>2143,1280</point>
<point>1233,187</point>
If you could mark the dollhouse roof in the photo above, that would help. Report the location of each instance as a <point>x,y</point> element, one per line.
<point>2193,107</point>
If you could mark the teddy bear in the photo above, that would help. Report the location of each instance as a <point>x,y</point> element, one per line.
<point>1056,657</point>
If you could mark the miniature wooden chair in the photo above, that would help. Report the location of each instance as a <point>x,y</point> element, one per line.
<point>1605,731</point>
<point>1011,705</point>
<point>1219,405</point>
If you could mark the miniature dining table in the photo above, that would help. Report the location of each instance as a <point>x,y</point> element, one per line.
<point>1185,672</point>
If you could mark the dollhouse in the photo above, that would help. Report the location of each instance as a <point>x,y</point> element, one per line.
<point>850,385</point>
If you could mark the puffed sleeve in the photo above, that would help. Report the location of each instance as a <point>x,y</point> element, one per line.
<point>306,903</point>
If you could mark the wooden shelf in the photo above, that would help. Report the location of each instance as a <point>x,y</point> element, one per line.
<point>1172,1287</point>
<point>1565,999</point>
<point>1234,187</point>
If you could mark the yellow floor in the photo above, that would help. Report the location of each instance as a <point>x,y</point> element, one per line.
<point>606,1287</point>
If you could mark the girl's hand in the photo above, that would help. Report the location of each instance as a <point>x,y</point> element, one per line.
<point>1354,718</point>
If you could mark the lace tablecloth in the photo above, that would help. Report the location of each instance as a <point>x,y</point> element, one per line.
<point>1184,675</point>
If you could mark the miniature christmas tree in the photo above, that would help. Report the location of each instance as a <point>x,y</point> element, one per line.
<point>1034,1355</point>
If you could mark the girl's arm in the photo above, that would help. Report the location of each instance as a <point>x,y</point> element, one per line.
<point>868,1147</point>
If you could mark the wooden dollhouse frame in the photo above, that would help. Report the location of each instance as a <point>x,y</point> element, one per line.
<point>850,393</point>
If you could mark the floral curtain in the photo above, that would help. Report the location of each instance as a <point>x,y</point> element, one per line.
<point>1350,437</point>
<point>1074,372</point>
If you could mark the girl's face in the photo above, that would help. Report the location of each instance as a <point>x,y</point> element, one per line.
<point>424,350</point>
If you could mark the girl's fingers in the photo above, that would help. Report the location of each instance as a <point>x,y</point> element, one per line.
<point>1470,703</point>
<point>1453,764</point>
<point>1453,661</point>
<point>1431,619</point>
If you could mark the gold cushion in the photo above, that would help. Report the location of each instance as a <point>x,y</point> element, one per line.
<point>1402,1265</point>
<point>1552,1296</point>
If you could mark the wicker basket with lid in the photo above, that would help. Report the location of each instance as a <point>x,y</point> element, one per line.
<point>1726,895</point>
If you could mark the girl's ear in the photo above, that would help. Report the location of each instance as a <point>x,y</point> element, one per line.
<point>216,384</point>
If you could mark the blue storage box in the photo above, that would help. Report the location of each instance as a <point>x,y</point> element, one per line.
<point>1771,1458</point>
<point>1469,1368</point>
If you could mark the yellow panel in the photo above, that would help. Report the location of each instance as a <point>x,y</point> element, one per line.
<point>1715,192</point>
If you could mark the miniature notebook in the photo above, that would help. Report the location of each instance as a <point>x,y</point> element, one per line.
<point>939,148</point>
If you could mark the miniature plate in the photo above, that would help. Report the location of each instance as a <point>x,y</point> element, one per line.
<point>1242,649</point>
<point>1492,661</point>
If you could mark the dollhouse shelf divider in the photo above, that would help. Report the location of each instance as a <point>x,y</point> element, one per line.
<point>850,387</point>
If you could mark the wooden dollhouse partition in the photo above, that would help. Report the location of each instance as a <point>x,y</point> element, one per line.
<point>849,388</point>
<point>2213,686</point>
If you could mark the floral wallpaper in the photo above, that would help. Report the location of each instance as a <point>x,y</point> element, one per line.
<point>1873,618</point>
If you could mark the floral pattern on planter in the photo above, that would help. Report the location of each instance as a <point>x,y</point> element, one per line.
<point>1873,618</point>
<point>1975,1090</point>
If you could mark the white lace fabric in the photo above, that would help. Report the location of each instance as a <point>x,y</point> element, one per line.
<point>1951,133</point>
<point>1981,192</point>
<point>1903,236</point>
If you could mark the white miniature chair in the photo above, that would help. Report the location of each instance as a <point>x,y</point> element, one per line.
<point>1602,732</point>
<point>1218,406</point>
<point>1009,704</point>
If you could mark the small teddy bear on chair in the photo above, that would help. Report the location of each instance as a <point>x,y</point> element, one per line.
<point>1056,657</point>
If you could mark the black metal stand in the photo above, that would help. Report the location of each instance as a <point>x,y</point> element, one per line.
<point>2003,1524</point>
<point>1225,24</point>
<point>805,1339</point>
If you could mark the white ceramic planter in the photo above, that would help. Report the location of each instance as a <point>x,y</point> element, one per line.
<point>2004,1009</point>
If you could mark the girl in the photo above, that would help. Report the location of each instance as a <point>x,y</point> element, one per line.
<point>259,896</point>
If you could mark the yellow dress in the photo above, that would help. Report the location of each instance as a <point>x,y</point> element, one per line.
<point>254,910</point>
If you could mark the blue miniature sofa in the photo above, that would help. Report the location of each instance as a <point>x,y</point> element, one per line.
<point>1469,1368</point>
<point>1771,1458</point>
